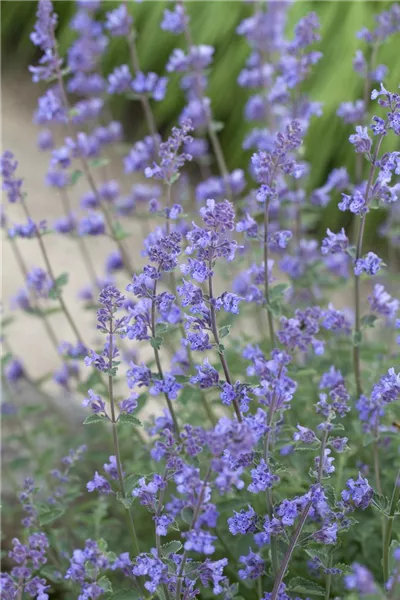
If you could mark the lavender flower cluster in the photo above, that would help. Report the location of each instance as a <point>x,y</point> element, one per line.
<point>263,388</point>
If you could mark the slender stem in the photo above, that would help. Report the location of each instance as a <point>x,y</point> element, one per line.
<point>158,362</point>
<point>328,578</point>
<point>90,179</point>
<point>359,248</point>
<point>125,256</point>
<point>65,200</point>
<point>193,523</point>
<point>151,123</point>
<point>167,218</point>
<point>46,322</point>
<point>219,155</point>
<point>367,86</point>
<point>265,247</point>
<point>158,539</point>
<point>220,158</point>
<point>377,470</point>
<point>298,224</point>
<point>51,274</point>
<point>303,517</point>
<point>268,492</point>
<point>222,358</point>
<point>116,441</point>
<point>207,408</point>
<point>389,527</point>
<point>259,588</point>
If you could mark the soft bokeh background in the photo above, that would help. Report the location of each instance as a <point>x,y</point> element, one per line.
<point>214,22</point>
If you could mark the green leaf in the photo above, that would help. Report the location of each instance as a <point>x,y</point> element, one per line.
<point>274,308</point>
<point>6,321</point>
<point>160,593</point>
<point>192,569</point>
<point>278,290</point>
<point>156,342</point>
<point>49,516</point>
<point>368,320</point>
<point>59,282</point>
<point>130,482</point>
<point>187,515</point>
<point>126,418</point>
<point>182,378</point>
<point>75,176</point>
<point>174,178</point>
<point>119,232</point>
<point>96,163</point>
<point>189,394</point>
<point>217,126</point>
<point>161,328</point>
<point>91,419</point>
<point>51,573</point>
<point>346,570</point>
<point>105,584</point>
<point>221,349</point>
<point>381,503</point>
<point>374,204</point>
<point>357,337</point>
<point>127,501</point>
<point>224,331</point>
<point>171,548</point>
<point>5,359</point>
<point>368,439</point>
<point>299,585</point>
<point>306,373</point>
<point>351,251</point>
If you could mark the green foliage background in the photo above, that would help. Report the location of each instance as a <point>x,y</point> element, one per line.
<point>214,22</point>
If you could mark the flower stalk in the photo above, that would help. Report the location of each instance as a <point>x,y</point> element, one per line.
<point>389,527</point>
<point>359,249</point>
<point>299,528</point>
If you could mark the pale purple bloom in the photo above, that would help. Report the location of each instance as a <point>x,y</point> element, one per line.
<point>369,264</point>
<point>119,21</point>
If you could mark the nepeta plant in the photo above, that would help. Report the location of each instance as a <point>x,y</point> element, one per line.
<point>267,466</point>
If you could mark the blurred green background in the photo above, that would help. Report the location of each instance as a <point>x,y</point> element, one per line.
<point>214,22</point>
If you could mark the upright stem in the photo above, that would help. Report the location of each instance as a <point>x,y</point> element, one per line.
<point>151,123</point>
<point>65,200</point>
<point>90,179</point>
<point>204,402</point>
<point>219,155</point>
<point>367,86</point>
<point>206,406</point>
<point>377,469</point>
<point>125,256</point>
<point>193,523</point>
<point>116,441</point>
<point>46,322</point>
<point>158,362</point>
<point>265,246</point>
<point>328,578</point>
<point>296,534</point>
<point>51,274</point>
<point>168,206</point>
<point>268,492</point>
<point>359,248</point>
<point>389,527</point>
<point>222,358</point>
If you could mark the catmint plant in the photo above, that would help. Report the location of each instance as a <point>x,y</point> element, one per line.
<point>228,446</point>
